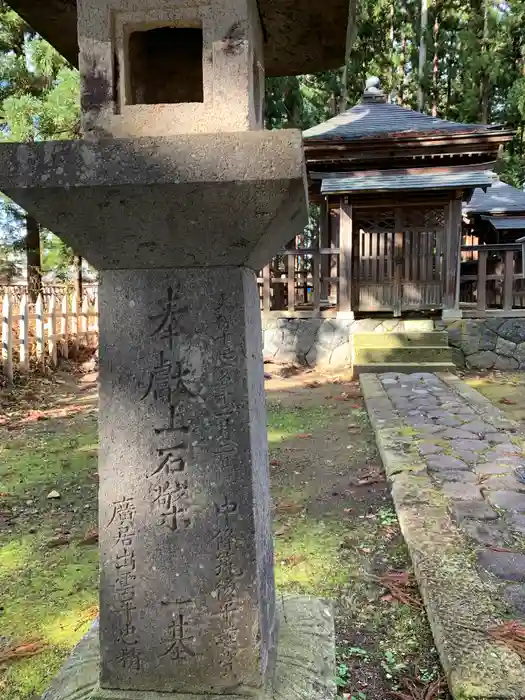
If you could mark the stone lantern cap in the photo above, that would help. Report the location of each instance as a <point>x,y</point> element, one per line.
<point>300,36</point>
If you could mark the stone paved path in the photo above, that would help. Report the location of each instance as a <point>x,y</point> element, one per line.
<point>475,456</point>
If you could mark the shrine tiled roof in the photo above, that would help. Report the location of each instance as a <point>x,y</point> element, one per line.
<point>375,118</point>
<point>499,199</point>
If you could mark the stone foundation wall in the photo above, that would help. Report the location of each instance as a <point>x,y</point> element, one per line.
<point>321,342</point>
<point>476,343</point>
<point>491,343</point>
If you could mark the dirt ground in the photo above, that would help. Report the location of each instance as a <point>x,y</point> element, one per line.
<point>336,534</point>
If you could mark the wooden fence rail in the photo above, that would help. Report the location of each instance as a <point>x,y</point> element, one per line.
<point>36,335</point>
<point>494,282</point>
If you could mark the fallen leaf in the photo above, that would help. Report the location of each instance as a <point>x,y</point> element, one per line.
<point>53,494</point>
<point>512,634</point>
<point>282,530</point>
<point>21,651</point>
<point>57,542</point>
<point>507,402</point>
<point>347,510</point>
<point>91,537</point>
<point>356,405</point>
<point>304,435</point>
<point>387,598</point>
<point>293,560</point>
<point>275,463</point>
<point>288,507</point>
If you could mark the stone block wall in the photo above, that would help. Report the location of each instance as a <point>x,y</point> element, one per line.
<point>492,343</point>
<point>307,341</point>
<point>320,342</point>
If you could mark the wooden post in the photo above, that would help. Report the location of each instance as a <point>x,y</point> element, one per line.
<point>452,259</point>
<point>508,280</point>
<point>52,332</point>
<point>481,284</point>
<point>74,322</point>
<point>84,321</point>
<point>23,334</point>
<point>39,331</point>
<point>7,337</point>
<point>345,256</point>
<point>267,289</point>
<point>316,282</point>
<point>324,242</point>
<point>63,327</point>
<point>291,281</point>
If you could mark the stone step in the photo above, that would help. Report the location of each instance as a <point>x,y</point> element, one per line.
<point>402,354</point>
<point>415,326</point>
<point>403,367</point>
<point>400,340</point>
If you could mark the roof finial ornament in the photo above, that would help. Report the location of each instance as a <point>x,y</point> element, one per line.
<point>373,92</point>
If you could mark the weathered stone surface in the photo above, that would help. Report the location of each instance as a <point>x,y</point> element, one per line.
<point>473,445</point>
<point>466,456</point>
<point>458,600</point>
<point>513,330</point>
<point>489,534</point>
<point>480,510</point>
<point>506,363</point>
<point>519,353</point>
<point>465,477</point>
<point>137,186</point>
<point>186,592</point>
<point>462,491</point>
<point>509,566</point>
<point>517,522</point>
<point>304,669</point>
<point>445,462</point>
<point>341,356</point>
<point>508,500</point>
<point>477,427</point>
<point>503,482</point>
<point>505,347</point>
<point>514,595</point>
<point>481,360</point>
<point>493,468</point>
<point>430,448</point>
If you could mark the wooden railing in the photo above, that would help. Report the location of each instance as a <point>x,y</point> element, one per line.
<point>302,281</point>
<point>494,283</point>
<point>34,336</point>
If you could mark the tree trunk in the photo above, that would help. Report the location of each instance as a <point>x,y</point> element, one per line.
<point>422,56</point>
<point>401,70</point>
<point>77,262</point>
<point>34,262</point>
<point>484,83</point>
<point>435,67</point>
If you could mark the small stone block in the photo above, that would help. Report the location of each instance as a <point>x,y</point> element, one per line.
<point>461,491</point>
<point>464,477</point>
<point>503,482</point>
<point>305,667</point>
<point>489,534</point>
<point>509,566</point>
<point>480,510</point>
<point>514,595</point>
<point>508,500</point>
<point>442,462</point>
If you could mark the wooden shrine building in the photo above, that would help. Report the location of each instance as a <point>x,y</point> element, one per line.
<point>390,183</point>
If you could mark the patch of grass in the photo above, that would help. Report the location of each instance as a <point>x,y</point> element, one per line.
<point>308,558</point>
<point>48,594</point>
<point>505,390</point>
<point>41,460</point>
<point>286,423</point>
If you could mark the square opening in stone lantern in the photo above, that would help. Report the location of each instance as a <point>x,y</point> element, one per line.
<point>162,67</point>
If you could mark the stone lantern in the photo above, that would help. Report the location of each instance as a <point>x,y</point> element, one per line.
<point>177,196</point>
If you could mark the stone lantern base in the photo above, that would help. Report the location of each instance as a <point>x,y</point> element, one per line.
<point>305,668</point>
